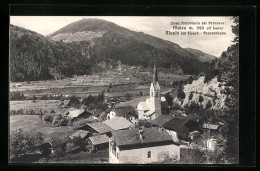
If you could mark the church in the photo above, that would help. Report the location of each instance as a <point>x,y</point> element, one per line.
<point>154,106</point>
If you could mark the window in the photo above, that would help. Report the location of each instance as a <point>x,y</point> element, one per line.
<point>149,154</point>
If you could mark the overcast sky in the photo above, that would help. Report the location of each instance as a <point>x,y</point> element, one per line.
<point>156,26</point>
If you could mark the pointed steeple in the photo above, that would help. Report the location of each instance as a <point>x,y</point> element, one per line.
<point>155,75</point>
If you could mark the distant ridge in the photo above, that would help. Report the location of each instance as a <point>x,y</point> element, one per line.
<point>202,56</point>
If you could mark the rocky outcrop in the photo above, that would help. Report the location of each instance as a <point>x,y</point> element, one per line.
<point>210,95</point>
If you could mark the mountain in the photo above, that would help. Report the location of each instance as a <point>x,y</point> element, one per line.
<point>102,40</point>
<point>80,47</point>
<point>34,57</point>
<point>204,57</point>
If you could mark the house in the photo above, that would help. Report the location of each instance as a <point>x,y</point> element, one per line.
<point>193,135</point>
<point>77,114</point>
<point>151,108</point>
<point>127,112</point>
<point>18,85</point>
<point>97,127</point>
<point>177,126</point>
<point>98,142</point>
<point>142,145</point>
<point>211,144</point>
<point>81,134</point>
<point>106,127</point>
<point>118,123</point>
<point>212,128</point>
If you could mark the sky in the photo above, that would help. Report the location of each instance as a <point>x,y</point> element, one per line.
<point>155,26</point>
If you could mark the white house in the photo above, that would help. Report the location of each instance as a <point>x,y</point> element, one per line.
<point>142,145</point>
<point>127,112</point>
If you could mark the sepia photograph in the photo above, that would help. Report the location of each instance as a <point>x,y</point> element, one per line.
<point>124,89</point>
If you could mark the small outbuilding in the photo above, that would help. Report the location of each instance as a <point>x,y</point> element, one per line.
<point>96,143</point>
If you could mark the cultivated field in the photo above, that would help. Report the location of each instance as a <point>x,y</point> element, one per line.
<point>34,123</point>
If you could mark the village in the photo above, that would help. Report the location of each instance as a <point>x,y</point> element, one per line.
<point>144,130</point>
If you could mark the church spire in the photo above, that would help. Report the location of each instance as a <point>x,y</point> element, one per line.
<point>155,76</point>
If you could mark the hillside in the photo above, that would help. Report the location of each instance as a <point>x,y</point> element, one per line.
<point>204,57</point>
<point>33,57</point>
<point>79,48</point>
<point>109,42</point>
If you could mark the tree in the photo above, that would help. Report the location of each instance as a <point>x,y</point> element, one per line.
<point>208,105</point>
<point>190,96</point>
<point>180,93</point>
<point>128,96</point>
<point>201,99</point>
<point>74,102</point>
<point>24,142</point>
<point>169,99</point>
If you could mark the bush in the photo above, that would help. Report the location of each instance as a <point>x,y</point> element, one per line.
<point>48,118</point>
<point>181,94</point>
<point>16,96</point>
<point>24,142</point>
<point>194,106</point>
<point>59,146</point>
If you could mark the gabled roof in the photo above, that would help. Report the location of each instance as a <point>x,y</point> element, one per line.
<point>75,113</point>
<point>100,127</point>
<point>178,125</point>
<point>162,119</point>
<point>123,111</point>
<point>210,126</point>
<point>118,123</point>
<point>80,133</point>
<point>132,137</point>
<point>100,139</point>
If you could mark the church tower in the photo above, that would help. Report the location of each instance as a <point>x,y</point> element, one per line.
<point>155,95</point>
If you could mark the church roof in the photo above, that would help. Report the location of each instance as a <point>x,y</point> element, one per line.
<point>143,106</point>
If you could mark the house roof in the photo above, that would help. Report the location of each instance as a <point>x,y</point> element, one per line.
<point>75,113</point>
<point>143,106</point>
<point>118,123</point>
<point>132,137</point>
<point>100,139</point>
<point>162,119</point>
<point>194,133</point>
<point>80,133</point>
<point>123,111</point>
<point>100,127</point>
<point>210,126</point>
<point>178,125</point>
